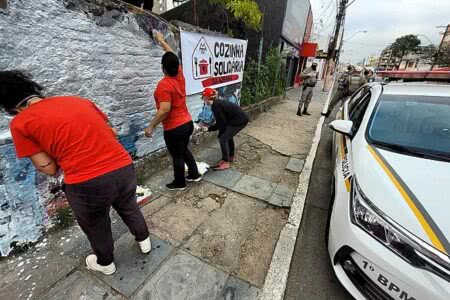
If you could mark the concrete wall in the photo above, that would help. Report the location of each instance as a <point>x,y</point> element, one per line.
<point>96,49</point>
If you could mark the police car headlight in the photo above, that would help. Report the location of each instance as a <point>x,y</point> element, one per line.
<point>369,218</point>
<point>366,217</point>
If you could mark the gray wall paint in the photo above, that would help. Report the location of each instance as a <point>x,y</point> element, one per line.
<point>104,55</point>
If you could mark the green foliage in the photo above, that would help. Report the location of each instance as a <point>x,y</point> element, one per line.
<point>405,44</point>
<point>443,59</point>
<point>267,81</point>
<point>63,217</point>
<point>246,11</point>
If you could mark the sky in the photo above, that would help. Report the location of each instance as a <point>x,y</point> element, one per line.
<point>384,21</point>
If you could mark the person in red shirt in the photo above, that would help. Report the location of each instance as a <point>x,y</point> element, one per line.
<point>70,133</point>
<point>172,112</point>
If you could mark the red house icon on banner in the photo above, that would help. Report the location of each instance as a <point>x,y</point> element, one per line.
<point>202,60</point>
<point>204,67</point>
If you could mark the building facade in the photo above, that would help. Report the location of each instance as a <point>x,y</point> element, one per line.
<point>287,24</point>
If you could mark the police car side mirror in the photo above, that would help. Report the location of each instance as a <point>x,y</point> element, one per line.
<point>342,126</point>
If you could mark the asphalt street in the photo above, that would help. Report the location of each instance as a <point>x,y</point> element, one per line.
<point>311,275</point>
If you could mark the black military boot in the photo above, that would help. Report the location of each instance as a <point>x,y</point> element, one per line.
<point>305,112</point>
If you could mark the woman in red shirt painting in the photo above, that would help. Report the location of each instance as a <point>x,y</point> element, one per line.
<point>71,133</point>
<point>172,112</point>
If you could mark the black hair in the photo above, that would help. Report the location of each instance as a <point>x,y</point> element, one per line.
<point>349,68</point>
<point>314,67</point>
<point>170,63</point>
<point>16,86</point>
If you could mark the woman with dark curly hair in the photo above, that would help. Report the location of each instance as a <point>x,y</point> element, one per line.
<point>72,134</point>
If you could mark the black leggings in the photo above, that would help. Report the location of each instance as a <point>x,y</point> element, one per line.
<point>91,202</point>
<point>177,141</point>
<point>226,140</point>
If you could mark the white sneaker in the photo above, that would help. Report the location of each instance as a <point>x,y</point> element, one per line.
<point>91,263</point>
<point>145,245</point>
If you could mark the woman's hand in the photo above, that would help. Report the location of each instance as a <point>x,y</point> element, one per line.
<point>148,132</point>
<point>159,37</point>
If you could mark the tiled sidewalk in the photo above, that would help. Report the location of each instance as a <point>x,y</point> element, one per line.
<point>214,240</point>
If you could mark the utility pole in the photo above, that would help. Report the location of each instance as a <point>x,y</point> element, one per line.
<point>446,32</point>
<point>338,29</point>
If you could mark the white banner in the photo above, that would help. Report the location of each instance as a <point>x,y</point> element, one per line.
<point>211,61</point>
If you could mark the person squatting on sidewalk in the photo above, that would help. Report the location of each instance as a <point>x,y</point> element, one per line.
<point>310,77</point>
<point>172,112</point>
<point>230,120</point>
<point>71,133</point>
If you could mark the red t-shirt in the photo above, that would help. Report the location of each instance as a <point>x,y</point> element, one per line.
<point>74,132</point>
<point>173,90</point>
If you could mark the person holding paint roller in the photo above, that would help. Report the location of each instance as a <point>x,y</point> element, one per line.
<point>230,120</point>
<point>172,112</point>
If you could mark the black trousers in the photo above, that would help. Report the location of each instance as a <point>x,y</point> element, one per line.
<point>91,202</point>
<point>177,142</point>
<point>226,140</point>
<point>339,96</point>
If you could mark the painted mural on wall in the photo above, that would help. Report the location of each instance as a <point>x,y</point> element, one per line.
<point>230,93</point>
<point>95,49</point>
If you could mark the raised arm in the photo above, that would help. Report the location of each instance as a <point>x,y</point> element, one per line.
<point>160,39</point>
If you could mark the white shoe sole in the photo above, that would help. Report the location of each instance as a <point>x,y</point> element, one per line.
<point>194,180</point>
<point>176,189</point>
<point>89,267</point>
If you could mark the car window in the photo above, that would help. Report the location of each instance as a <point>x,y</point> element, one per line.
<point>413,125</point>
<point>357,114</point>
<point>357,96</point>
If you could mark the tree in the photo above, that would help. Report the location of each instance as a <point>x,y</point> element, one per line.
<point>443,58</point>
<point>428,54</point>
<point>246,11</point>
<point>404,45</point>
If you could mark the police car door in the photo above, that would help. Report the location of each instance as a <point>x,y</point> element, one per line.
<point>353,110</point>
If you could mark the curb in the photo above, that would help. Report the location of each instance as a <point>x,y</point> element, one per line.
<point>276,278</point>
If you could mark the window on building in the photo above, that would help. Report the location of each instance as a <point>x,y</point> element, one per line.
<point>145,4</point>
<point>3,4</point>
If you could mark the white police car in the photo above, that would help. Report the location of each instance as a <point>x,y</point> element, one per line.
<point>389,228</point>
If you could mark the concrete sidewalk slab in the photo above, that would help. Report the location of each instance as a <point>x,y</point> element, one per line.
<point>227,178</point>
<point>80,286</point>
<point>184,277</point>
<point>176,222</point>
<point>284,191</point>
<point>208,155</point>
<point>133,267</point>
<point>280,200</point>
<point>255,187</point>
<point>220,238</point>
<point>236,289</point>
<point>205,196</point>
<point>271,166</point>
<point>282,196</point>
<point>295,165</point>
<point>256,252</point>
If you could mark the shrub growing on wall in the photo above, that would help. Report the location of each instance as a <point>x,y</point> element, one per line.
<point>267,80</point>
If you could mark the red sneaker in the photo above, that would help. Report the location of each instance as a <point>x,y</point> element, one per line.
<point>222,165</point>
